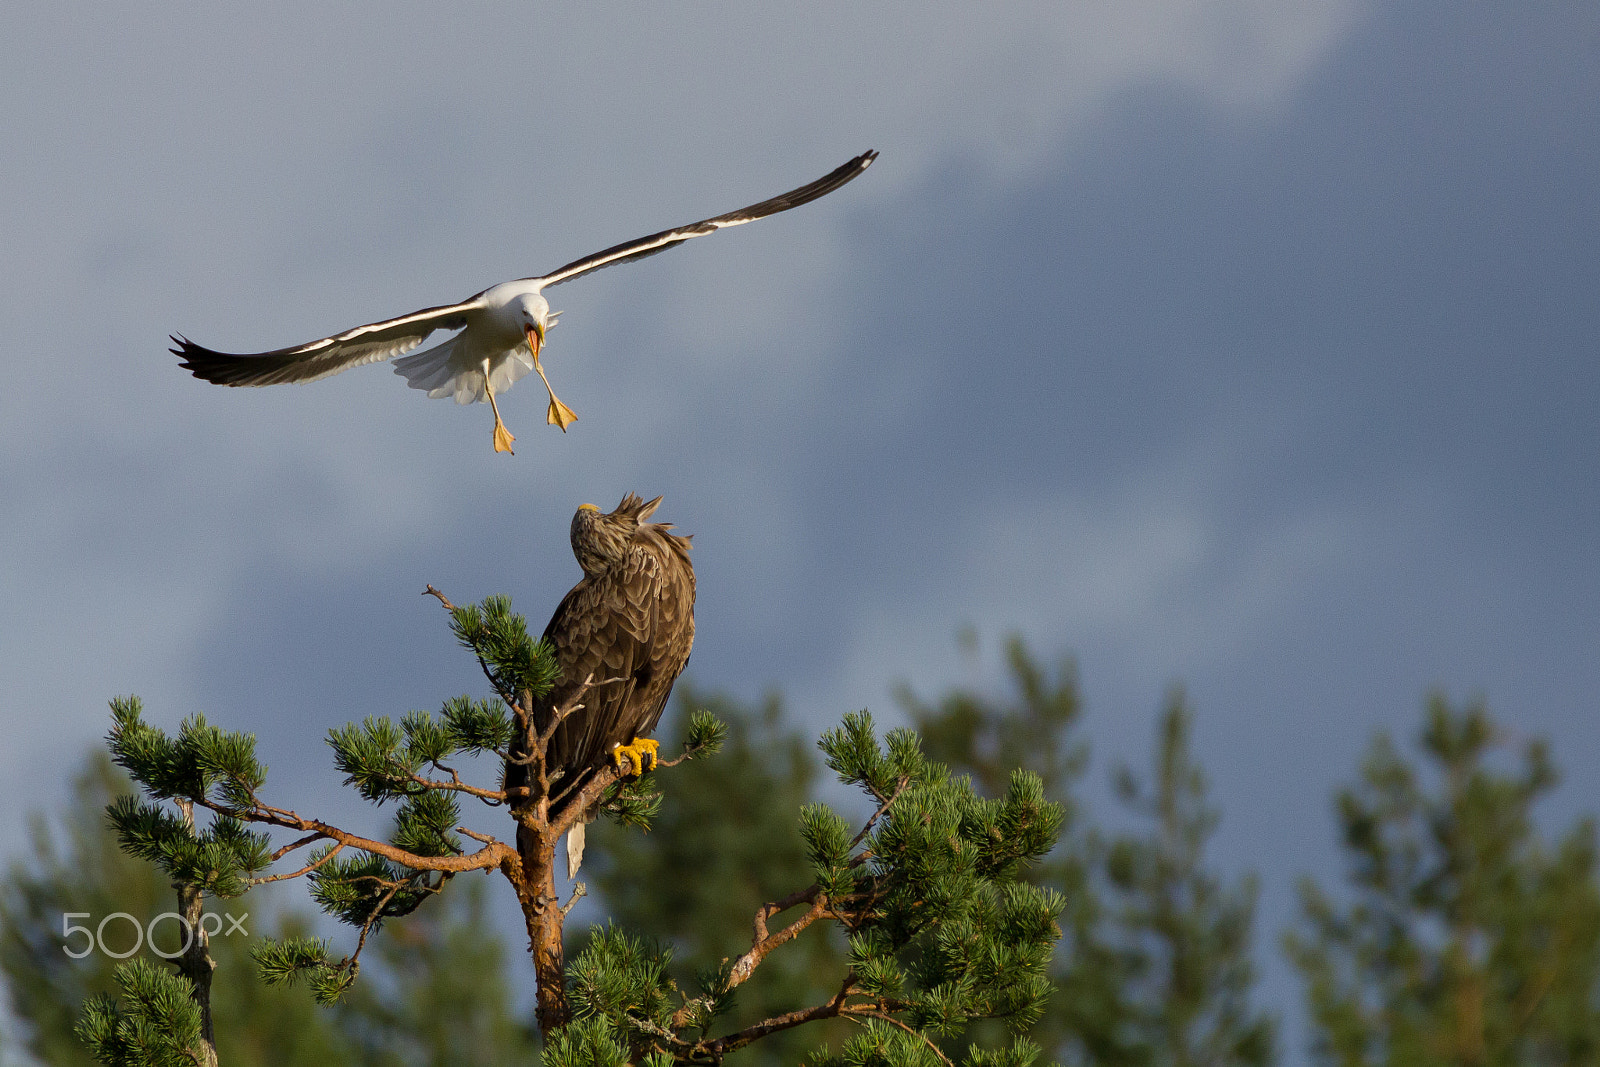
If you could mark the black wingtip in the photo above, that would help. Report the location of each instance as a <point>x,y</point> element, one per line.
<point>219,368</point>
<point>188,353</point>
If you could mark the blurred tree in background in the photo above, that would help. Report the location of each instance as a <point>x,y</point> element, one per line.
<point>1155,966</point>
<point>1184,935</point>
<point>438,986</point>
<point>1468,939</point>
<point>76,866</point>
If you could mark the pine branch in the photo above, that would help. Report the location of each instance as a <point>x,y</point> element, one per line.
<point>493,855</point>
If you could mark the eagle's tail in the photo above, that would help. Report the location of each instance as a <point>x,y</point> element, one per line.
<point>575,838</point>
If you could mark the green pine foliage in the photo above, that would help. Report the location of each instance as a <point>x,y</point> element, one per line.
<point>725,845</point>
<point>1155,963</point>
<point>1465,937</point>
<point>1033,726</point>
<point>759,923</point>
<point>156,1024</point>
<point>1183,935</point>
<point>513,661</point>
<point>440,983</point>
<point>76,866</point>
<point>940,930</point>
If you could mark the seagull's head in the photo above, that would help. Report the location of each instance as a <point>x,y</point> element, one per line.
<point>536,317</point>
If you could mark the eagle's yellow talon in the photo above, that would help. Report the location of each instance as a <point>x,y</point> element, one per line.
<point>637,758</point>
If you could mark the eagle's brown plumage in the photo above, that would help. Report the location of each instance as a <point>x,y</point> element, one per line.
<point>630,618</point>
<point>628,624</point>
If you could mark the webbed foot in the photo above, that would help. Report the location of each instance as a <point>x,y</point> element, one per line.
<point>559,414</point>
<point>502,437</point>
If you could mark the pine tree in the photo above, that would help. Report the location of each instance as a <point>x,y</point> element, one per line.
<point>438,974</point>
<point>75,867</point>
<point>1183,935</point>
<point>725,845</point>
<point>1156,963</point>
<point>1467,939</point>
<point>1033,726</point>
<point>941,929</point>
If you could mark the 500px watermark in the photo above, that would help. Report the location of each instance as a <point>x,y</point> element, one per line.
<point>95,938</point>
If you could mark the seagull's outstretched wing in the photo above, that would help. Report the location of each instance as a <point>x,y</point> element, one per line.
<point>660,242</point>
<point>317,359</point>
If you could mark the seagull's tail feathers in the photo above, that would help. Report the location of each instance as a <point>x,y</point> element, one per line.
<point>439,373</point>
<point>511,367</point>
<point>431,371</point>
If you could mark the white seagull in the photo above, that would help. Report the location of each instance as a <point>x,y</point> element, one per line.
<point>502,328</point>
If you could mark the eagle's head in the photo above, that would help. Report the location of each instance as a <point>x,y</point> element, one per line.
<point>599,540</point>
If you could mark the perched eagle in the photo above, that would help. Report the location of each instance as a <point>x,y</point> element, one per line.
<point>629,625</point>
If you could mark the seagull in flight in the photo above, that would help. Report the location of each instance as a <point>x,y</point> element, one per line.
<point>502,329</point>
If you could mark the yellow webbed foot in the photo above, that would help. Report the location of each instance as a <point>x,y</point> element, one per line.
<point>502,437</point>
<point>637,758</point>
<point>559,414</point>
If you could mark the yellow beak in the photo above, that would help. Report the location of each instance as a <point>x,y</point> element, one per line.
<point>535,334</point>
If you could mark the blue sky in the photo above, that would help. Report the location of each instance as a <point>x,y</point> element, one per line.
<point>1240,345</point>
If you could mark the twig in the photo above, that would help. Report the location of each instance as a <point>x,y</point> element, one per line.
<point>482,663</point>
<point>579,891</point>
<point>488,796</point>
<point>307,869</point>
<point>899,787</point>
<point>688,754</point>
<point>291,846</point>
<point>490,856</point>
<point>892,1021</point>
<point>828,1010</point>
<point>366,927</point>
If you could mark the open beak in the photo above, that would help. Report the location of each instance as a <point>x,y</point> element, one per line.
<point>535,333</point>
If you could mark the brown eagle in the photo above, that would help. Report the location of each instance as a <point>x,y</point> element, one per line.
<point>629,625</point>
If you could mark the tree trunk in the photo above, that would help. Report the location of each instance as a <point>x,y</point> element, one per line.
<point>541,909</point>
<point>196,963</point>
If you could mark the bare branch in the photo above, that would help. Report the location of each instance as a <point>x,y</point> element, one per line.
<point>481,838</point>
<point>488,796</point>
<point>579,891</point>
<point>762,943</point>
<point>836,1006</point>
<point>307,869</point>
<point>490,856</point>
<point>291,846</point>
